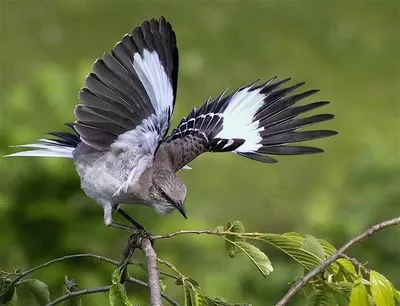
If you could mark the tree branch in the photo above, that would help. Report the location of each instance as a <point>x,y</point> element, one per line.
<point>320,268</point>
<point>152,270</point>
<point>88,291</point>
<point>78,293</point>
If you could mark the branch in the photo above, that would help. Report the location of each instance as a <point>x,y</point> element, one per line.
<point>313,273</point>
<point>46,264</point>
<point>152,270</point>
<point>78,293</point>
<point>88,291</point>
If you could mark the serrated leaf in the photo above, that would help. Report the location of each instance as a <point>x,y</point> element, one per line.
<point>312,245</point>
<point>359,295</point>
<point>381,289</point>
<point>117,295</point>
<point>261,260</point>
<point>328,248</point>
<point>38,289</point>
<point>320,298</point>
<point>291,244</point>
<point>341,287</point>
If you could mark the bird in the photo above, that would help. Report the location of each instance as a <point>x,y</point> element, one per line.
<point>119,141</point>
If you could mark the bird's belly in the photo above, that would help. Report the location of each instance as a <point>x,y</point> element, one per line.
<point>99,181</point>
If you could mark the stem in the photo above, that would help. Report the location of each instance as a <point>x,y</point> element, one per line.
<point>172,267</point>
<point>46,264</point>
<point>313,273</point>
<point>78,293</point>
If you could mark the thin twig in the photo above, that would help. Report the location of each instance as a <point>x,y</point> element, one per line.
<point>209,232</point>
<point>172,267</point>
<point>152,270</point>
<point>46,264</point>
<point>79,293</point>
<point>313,273</point>
<point>355,263</point>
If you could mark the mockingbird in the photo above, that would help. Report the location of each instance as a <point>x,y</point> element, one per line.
<point>119,140</point>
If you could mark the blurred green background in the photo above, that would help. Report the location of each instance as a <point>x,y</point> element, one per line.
<point>350,50</point>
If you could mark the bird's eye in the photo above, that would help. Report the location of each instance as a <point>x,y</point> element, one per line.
<point>163,194</point>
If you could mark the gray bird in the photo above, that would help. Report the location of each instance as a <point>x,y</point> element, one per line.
<point>119,140</point>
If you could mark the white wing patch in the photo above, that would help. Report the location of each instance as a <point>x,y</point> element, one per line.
<point>238,119</point>
<point>156,82</point>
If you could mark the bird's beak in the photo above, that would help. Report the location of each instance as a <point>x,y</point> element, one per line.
<point>181,209</point>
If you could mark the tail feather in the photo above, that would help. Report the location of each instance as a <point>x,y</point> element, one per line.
<point>64,146</point>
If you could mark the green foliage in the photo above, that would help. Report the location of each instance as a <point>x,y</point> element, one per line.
<point>195,296</point>
<point>117,295</point>
<point>6,292</point>
<point>359,296</point>
<point>321,298</point>
<point>236,244</point>
<point>381,289</point>
<point>338,285</point>
<point>38,289</point>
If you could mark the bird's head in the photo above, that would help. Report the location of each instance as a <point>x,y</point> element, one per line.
<point>167,192</point>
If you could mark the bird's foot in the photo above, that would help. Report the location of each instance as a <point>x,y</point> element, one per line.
<point>140,234</point>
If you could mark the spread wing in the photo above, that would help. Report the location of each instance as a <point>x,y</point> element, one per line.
<point>254,122</point>
<point>130,96</point>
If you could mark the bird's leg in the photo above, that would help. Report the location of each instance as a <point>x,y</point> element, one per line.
<point>108,220</point>
<point>140,230</point>
<point>129,218</point>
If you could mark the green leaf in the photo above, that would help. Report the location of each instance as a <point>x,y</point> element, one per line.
<point>197,297</point>
<point>321,298</point>
<point>396,293</point>
<point>328,248</point>
<point>39,290</point>
<point>219,228</point>
<point>359,295</point>
<point>235,227</point>
<point>6,293</point>
<point>292,245</point>
<point>381,289</point>
<point>13,301</point>
<point>261,260</point>
<point>188,298</point>
<point>341,287</point>
<point>163,285</point>
<point>347,266</point>
<point>117,295</point>
<point>71,286</point>
<point>312,245</point>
